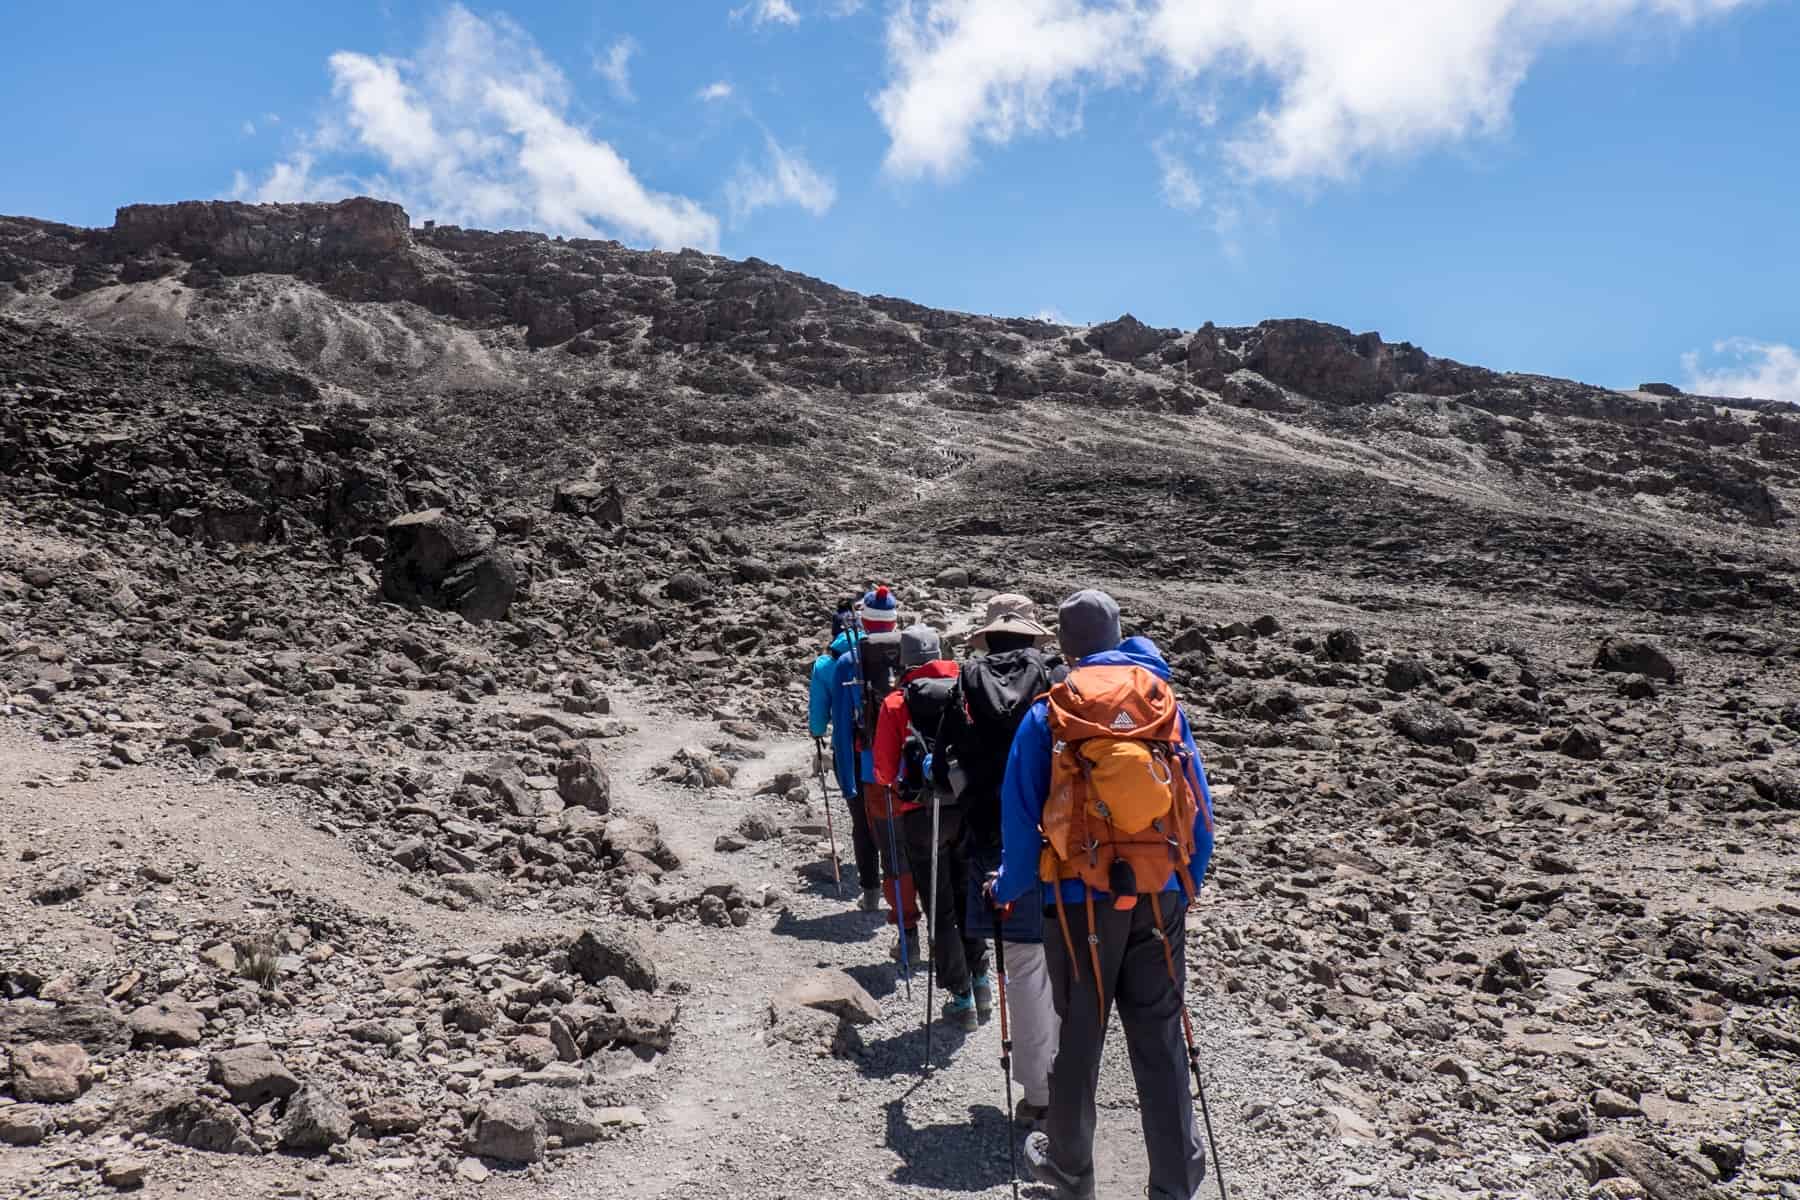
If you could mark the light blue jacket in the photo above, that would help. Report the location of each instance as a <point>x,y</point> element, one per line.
<point>827,712</point>
<point>1027,786</point>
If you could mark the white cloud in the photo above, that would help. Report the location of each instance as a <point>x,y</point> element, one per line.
<point>787,178</point>
<point>615,66</point>
<point>475,129</point>
<point>1181,187</point>
<point>1340,83</point>
<point>292,179</point>
<point>249,128</point>
<point>1759,370</point>
<point>992,69</point>
<point>720,90</point>
<point>766,12</point>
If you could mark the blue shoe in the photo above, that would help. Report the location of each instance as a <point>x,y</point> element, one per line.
<point>960,1012</point>
<point>984,996</point>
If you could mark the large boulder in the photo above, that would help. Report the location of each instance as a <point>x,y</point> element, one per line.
<point>25,1124</point>
<point>583,783</point>
<point>167,1022</point>
<point>1661,1176</point>
<point>633,1020</point>
<point>316,1120</point>
<point>1630,657</point>
<point>43,1073</point>
<point>833,992</point>
<point>1430,724</point>
<point>434,561</point>
<point>166,1108</point>
<point>612,954</point>
<point>94,1027</point>
<point>252,1075</point>
<point>509,1131</point>
<point>587,498</point>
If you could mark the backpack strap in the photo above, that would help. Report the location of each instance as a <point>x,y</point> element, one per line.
<point>1094,954</point>
<point>1062,918</point>
<point>1187,1022</point>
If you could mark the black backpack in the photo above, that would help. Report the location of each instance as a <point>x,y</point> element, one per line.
<point>997,691</point>
<point>935,713</point>
<point>878,657</point>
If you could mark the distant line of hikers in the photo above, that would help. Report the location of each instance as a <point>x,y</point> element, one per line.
<point>1071,812</point>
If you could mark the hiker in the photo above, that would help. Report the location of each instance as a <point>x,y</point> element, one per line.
<point>861,679</point>
<point>843,750</point>
<point>1106,820</point>
<point>901,751</point>
<point>1006,673</point>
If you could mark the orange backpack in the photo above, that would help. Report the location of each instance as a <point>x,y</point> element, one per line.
<point>1120,796</point>
<point>1122,803</point>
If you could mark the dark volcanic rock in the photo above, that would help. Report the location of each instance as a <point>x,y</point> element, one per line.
<point>433,560</point>
<point>612,954</point>
<point>252,1075</point>
<point>1635,658</point>
<point>1430,723</point>
<point>1343,646</point>
<point>264,237</point>
<point>1661,1176</point>
<point>167,1109</point>
<point>509,1131</point>
<point>316,1120</point>
<point>62,886</point>
<point>600,502</point>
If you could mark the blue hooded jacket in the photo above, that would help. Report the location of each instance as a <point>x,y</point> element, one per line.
<point>831,709</point>
<point>1027,786</point>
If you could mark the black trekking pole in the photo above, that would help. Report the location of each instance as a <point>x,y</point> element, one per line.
<point>1205,1111</point>
<point>1012,1140</point>
<point>1193,1051</point>
<point>931,930</point>
<point>837,874</point>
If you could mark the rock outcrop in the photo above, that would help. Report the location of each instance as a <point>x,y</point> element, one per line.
<point>434,560</point>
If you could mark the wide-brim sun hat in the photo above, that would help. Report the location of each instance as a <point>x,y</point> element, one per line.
<point>1011,613</point>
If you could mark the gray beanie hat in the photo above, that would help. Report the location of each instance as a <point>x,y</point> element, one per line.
<point>919,645</point>
<point>1088,623</point>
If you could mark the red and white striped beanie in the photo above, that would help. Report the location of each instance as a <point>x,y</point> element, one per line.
<point>880,610</point>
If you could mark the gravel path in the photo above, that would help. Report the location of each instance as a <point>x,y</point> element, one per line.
<point>743,1117</point>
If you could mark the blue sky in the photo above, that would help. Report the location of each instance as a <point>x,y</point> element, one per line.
<point>1601,189</point>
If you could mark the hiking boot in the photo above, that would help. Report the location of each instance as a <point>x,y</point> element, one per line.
<point>960,1012</point>
<point>914,950</point>
<point>984,996</point>
<point>871,900</point>
<point>1030,1116</point>
<point>1044,1169</point>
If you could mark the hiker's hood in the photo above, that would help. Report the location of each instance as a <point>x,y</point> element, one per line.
<point>840,645</point>
<point>1132,652</point>
<point>941,668</point>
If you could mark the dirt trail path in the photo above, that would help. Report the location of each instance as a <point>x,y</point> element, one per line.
<point>745,1118</point>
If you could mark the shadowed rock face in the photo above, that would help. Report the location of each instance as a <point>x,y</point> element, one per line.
<point>433,560</point>
<point>264,237</point>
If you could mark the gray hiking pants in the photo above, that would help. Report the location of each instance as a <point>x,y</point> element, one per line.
<point>1136,980</point>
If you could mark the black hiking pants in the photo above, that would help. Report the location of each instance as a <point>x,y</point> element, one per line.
<point>957,957</point>
<point>862,842</point>
<point>1135,976</point>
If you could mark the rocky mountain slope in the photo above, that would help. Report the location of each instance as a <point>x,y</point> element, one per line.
<point>484,568</point>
